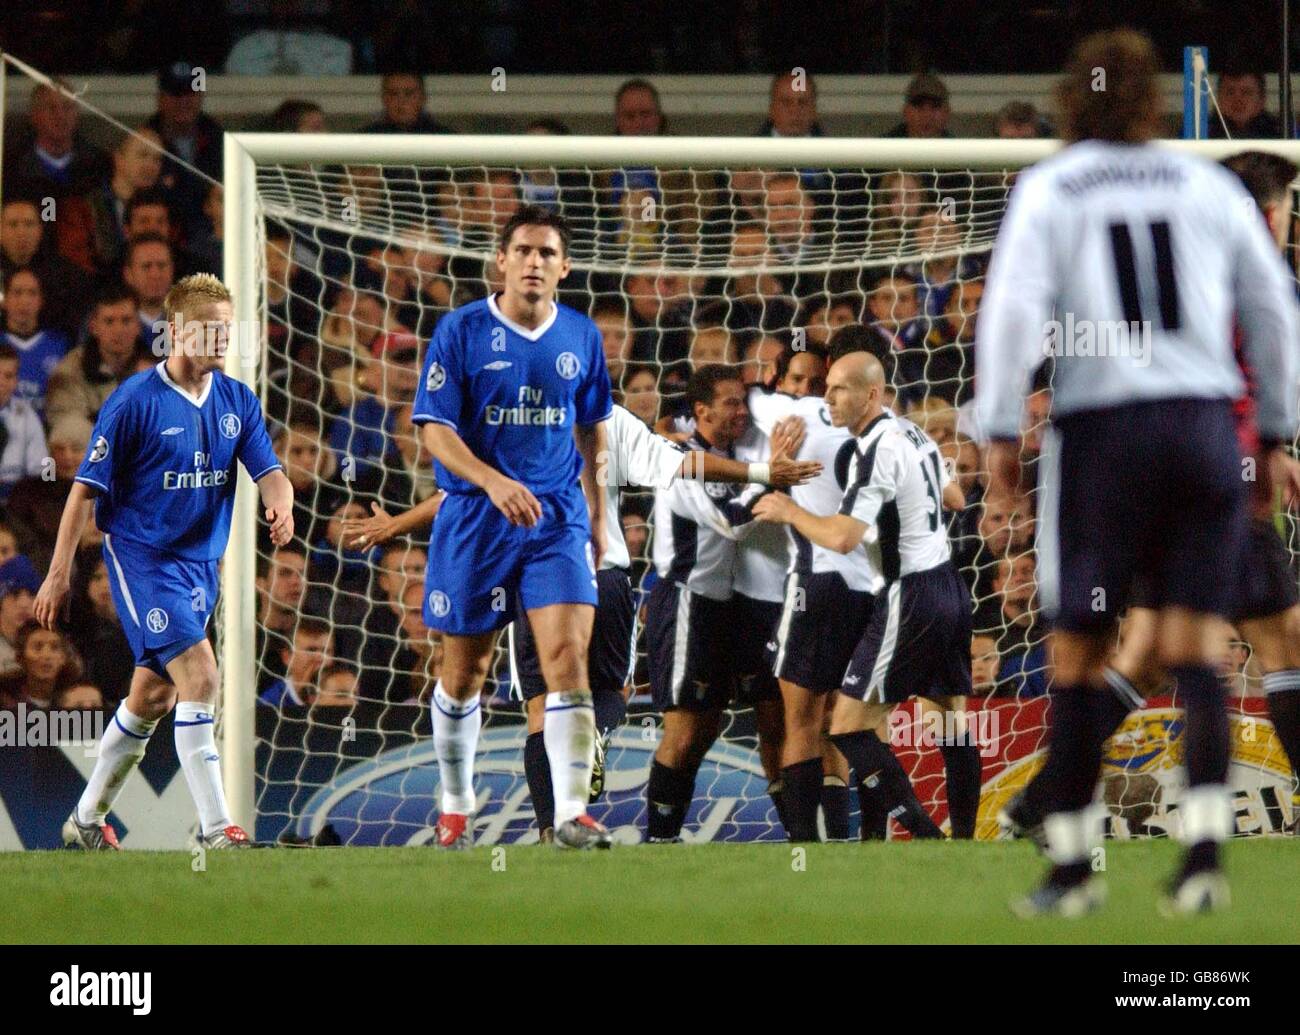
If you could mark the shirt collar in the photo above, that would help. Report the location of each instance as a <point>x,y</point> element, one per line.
<point>167,380</point>
<point>519,329</point>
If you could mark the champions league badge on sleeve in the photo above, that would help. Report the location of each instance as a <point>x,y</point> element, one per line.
<point>393,799</point>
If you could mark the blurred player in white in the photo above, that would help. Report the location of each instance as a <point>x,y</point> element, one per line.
<point>1141,474</point>
<point>160,474</point>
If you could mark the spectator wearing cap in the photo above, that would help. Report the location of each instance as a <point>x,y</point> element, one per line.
<point>22,438</point>
<point>36,504</point>
<point>19,584</point>
<point>403,97</point>
<point>925,109</point>
<point>192,137</point>
<point>48,664</point>
<point>55,162</point>
<point>1241,100</point>
<point>25,243</point>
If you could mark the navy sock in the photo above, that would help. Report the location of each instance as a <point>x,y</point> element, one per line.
<point>1283,689</point>
<point>668,796</point>
<point>611,710</point>
<point>883,786</point>
<point>777,794</point>
<point>537,770</point>
<point>1074,755</point>
<point>1206,739</point>
<point>961,764</point>
<point>835,808</point>
<point>802,789</point>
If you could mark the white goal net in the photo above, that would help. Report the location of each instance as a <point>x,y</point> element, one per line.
<point>348,250</point>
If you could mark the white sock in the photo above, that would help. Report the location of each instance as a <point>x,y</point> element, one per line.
<point>455,739</point>
<point>197,750</point>
<point>569,732</point>
<point>1071,836</point>
<point>1206,811</point>
<point>120,750</point>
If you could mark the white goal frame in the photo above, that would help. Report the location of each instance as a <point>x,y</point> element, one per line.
<point>243,153</point>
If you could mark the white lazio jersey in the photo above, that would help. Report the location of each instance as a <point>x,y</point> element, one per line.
<point>833,447</point>
<point>637,456</point>
<point>1141,255</point>
<point>896,483</point>
<point>696,528</point>
<point>764,553</point>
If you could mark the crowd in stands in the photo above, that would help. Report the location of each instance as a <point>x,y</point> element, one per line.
<point>90,243</point>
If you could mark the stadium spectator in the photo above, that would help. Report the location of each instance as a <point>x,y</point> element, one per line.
<point>191,137</point>
<point>758,360</point>
<point>408,475</point>
<point>79,697</point>
<point>1019,120</point>
<point>897,201</point>
<point>639,391</point>
<point>387,658</point>
<point>423,650</point>
<point>403,97</point>
<point>985,664</point>
<point>22,437</point>
<point>149,213</point>
<point>610,315</point>
<point>792,106</point>
<point>926,110</point>
<point>47,664</point>
<point>149,272</point>
<point>56,162</point>
<point>297,116</point>
<point>939,235</point>
<point>821,317</point>
<point>36,503</point>
<point>936,417</point>
<point>1005,531</point>
<point>638,111</point>
<point>1022,643</point>
<point>893,306</point>
<point>427,264</point>
<point>39,347</point>
<point>950,361</point>
<point>88,374</point>
<point>205,249</point>
<point>661,316</point>
<point>337,686</point>
<point>301,662</point>
<point>293,43</point>
<point>362,435</point>
<point>19,583</point>
<point>790,217</point>
<point>281,583</point>
<point>485,201</point>
<point>311,468</point>
<point>1241,100</point>
<point>8,543</point>
<point>352,327</point>
<point>344,571</point>
<point>137,165</point>
<point>96,629</point>
<point>23,243</point>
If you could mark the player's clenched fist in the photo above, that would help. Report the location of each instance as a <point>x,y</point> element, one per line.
<point>514,501</point>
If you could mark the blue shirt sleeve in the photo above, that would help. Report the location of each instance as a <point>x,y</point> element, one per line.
<point>255,451</point>
<point>111,443</point>
<point>595,401</point>
<point>439,394</point>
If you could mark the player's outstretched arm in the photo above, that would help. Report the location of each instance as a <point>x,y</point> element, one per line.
<point>513,499</point>
<point>363,533</point>
<point>593,441</point>
<point>76,513</point>
<point>838,532</point>
<point>778,471</point>
<point>277,497</point>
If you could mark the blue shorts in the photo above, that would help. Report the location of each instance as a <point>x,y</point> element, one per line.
<point>481,567</point>
<point>163,601</point>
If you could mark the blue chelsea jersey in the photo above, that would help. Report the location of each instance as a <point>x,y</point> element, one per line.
<point>164,461</point>
<point>514,395</point>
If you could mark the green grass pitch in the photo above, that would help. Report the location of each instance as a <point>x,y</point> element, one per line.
<point>900,892</point>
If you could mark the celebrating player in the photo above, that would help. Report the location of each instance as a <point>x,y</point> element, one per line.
<point>916,642</point>
<point>161,476</point>
<point>1141,474</point>
<point>513,403</point>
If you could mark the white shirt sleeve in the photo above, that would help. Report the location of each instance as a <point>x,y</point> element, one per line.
<point>1017,303</point>
<point>644,458</point>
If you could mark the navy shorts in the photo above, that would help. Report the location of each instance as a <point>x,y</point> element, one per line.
<point>755,640</point>
<point>918,641</point>
<point>822,620</point>
<point>1149,489</point>
<point>482,568</point>
<point>163,601</point>
<point>690,642</point>
<point>1266,584</point>
<point>609,655</point>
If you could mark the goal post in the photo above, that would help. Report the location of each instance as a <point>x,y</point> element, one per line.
<point>299,178</point>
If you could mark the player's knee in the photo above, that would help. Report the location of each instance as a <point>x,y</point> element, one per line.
<point>564,667</point>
